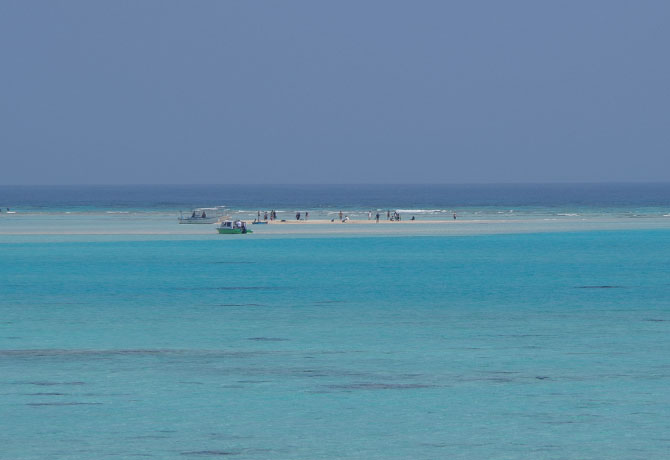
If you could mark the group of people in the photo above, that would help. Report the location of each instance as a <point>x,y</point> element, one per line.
<point>391,216</point>
<point>395,217</point>
<point>273,215</point>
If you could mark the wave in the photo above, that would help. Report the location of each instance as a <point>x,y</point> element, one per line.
<point>422,211</point>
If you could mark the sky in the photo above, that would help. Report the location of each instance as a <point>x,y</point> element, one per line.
<point>305,92</point>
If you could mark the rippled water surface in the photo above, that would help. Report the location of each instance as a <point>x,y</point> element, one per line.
<point>536,346</point>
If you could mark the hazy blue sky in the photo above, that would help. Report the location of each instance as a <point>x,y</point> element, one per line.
<point>338,91</point>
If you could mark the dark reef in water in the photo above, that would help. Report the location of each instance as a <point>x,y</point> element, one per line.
<point>267,339</point>
<point>48,384</point>
<point>65,404</point>
<point>232,288</point>
<point>600,287</point>
<point>239,305</point>
<point>46,394</point>
<point>380,386</point>
<point>232,262</point>
<point>210,452</point>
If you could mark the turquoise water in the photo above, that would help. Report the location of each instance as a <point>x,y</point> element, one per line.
<point>543,346</point>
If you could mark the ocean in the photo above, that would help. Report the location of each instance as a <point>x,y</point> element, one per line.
<point>548,340</point>
<point>495,197</point>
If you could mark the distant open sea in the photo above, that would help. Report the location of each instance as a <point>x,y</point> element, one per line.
<point>551,344</point>
<point>353,197</point>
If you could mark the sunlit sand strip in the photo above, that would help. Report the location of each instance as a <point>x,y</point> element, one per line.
<point>274,227</point>
<point>352,228</point>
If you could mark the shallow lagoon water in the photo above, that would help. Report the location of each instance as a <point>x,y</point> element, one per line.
<point>547,345</point>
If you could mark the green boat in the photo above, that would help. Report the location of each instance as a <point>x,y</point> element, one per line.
<point>229,227</point>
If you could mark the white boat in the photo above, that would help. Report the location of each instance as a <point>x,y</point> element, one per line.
<point>202,216</point>
<point>233,227</point>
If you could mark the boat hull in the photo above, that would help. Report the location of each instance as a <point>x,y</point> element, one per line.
<point>232,231</point>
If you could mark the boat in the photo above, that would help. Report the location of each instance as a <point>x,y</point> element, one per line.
<point>233,227</point>
<point>259,222</point>
<point>202,216</point>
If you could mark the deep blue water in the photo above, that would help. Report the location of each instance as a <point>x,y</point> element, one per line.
<point>543,346</point>
<point>337,196</point>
